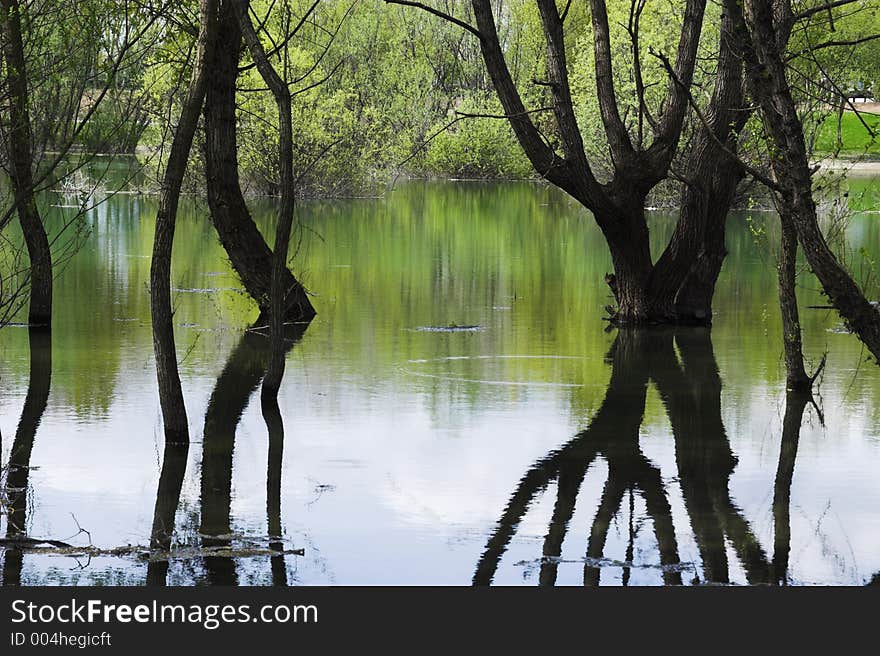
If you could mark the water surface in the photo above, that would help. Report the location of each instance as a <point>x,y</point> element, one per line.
<point>456,413</point>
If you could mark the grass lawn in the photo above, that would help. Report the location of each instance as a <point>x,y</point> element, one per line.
<point>856,139</point>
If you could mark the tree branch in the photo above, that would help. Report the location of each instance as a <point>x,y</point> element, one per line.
<point>452,19</point>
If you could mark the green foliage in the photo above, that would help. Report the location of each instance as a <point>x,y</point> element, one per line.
<point>477,147</point>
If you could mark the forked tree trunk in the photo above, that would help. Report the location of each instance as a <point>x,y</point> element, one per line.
<point>247,250</point>
<point>20,147</point>
<point>170,392</point>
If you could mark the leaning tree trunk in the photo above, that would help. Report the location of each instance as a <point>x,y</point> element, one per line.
<point>170,392</point>
<point>21,160</point>
<point>280,287</point>
<point>766,70</point>
<point>239,235</point>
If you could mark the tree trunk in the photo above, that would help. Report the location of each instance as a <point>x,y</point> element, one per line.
<point>278,290</point>
<point>685,276</point>
<point>626,234</point>
<point>796,376</point>
<point>21,160</point>
<point>239,235</point>
<point>170,392</point>
<point>767,76</point>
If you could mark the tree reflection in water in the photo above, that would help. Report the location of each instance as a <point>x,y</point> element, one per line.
<point>232,392</point>
<point>691,393</point>
<point>18,471</point>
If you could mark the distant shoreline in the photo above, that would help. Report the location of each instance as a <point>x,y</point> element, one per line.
<point>858,167</point>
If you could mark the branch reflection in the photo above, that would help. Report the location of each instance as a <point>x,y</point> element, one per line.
<point>689,386</point>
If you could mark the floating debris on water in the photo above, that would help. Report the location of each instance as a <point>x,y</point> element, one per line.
<point>205,290</point>
<point>451,328</point>
<point>607,562</point>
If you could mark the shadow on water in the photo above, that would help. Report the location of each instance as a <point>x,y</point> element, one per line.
<point>690,388</point>
<point>18,472</point>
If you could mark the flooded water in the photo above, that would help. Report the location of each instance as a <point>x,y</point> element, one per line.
<point>457,413</point>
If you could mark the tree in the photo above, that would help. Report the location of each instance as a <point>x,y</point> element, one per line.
<point>646,292</point>
<point>21,159</point>
<point>161,312</point>
<point>761,27</point>
<point>250,255</point>
<point>54,97</point>
<point>279,288</point>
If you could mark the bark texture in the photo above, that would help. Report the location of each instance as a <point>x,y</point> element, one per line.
<point>20,147</point>
<point>759,26</point>
<point>679,287</point>
<point>247,250</point>
<point>161,312</point>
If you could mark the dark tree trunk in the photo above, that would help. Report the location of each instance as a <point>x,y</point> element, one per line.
<point>170,392</point>
<point>685,276</point>
<point>239,235</point>
<point>280,287</point>
<point>275,367</point>
<point>626,233</point>
<point>769,84</point>
<point>18,474</point>
<point>795,374</point>
<point>20,146</point>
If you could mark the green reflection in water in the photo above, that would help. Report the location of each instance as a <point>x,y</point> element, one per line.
<point>396,280</point>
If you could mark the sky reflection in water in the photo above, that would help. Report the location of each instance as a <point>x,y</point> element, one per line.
<point>520,444</point>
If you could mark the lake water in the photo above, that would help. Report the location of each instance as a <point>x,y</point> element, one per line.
<point>522,443</point>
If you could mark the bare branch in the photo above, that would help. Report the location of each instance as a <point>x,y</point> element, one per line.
<point>452,19</point>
